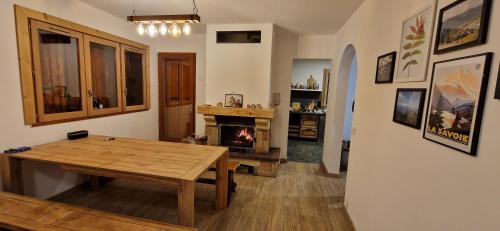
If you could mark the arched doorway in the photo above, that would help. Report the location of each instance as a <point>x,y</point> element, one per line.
<point>336,115</point>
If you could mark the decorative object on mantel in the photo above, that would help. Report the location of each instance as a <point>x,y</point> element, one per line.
<point>259,106</point>
<point>234,100</point>
<point>158,24</point>
<point>219,104</point>
<point>311,82</point>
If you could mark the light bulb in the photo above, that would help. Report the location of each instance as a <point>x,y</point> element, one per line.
<point>186,29</point>
<point>174,30</point>
<point>163,29</point>
<point>140,29</point>
<point>151,30</point>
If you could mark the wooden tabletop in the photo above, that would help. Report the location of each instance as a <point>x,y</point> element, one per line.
<point>156,159</point>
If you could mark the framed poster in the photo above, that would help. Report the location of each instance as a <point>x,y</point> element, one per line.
<point>497,91</point>
<point>409,107</point>
<point>415,45</point>
<point>233,100</point>
<point>462,24</point>
<point>455,107</point>
<point>385,68</point>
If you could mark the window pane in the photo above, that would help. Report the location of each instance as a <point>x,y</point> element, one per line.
<point>103,71</point>
<point>134,78</point>
<point>60,72</point>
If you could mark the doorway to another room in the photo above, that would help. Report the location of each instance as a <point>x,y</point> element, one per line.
<point>308,102</point>
<point>176,80</point>
<point>349,113</point>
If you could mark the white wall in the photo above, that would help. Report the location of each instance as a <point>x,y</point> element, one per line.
<point>44,180</point>
<point>351,90</point>
<point>304,68</point>
<point>284,50</point>
<point>240,68</point>
<point>195,43</point>
<point>315,46</point>
<point>397,180</point>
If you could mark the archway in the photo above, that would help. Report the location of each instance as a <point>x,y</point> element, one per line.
<point>335,117</point>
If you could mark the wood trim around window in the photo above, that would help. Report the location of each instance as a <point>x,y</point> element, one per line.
<point>23,16</point>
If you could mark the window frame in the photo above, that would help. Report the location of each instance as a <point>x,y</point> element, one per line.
<point>32,115</point>
<point>40,107</point>
<point>145,85</point>
<point>88,39</point>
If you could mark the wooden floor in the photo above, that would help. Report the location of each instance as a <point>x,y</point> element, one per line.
<point>300,198</point>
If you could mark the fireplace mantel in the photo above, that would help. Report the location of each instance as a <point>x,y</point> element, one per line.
<point>243,112</point>
<point>262,117</point>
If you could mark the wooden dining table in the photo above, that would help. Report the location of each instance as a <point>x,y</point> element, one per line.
<point>157,161</point>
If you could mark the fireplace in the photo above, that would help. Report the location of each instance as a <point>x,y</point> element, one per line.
<point>237,138</point>
<point>237,133</point>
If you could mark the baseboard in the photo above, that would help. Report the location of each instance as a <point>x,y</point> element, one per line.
<point>348,217</point>
<point>325,171</point>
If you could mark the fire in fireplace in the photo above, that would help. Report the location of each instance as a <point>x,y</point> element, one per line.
<point>237,137</point>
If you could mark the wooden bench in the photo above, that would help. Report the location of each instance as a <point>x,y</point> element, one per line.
<point>231,166</point>
<point>25,213</point>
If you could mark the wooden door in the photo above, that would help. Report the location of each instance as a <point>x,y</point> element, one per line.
<point>176,77</point>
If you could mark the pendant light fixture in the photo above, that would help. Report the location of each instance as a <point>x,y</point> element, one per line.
<point>153,25</point>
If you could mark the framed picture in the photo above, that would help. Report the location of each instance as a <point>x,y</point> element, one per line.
<point>415,46</point>
<point>409,107</point>
<point>497,91</point>
<point>462,24</point>
<point>234,100</point>
<point>456,100</point>
<point>385,68</point>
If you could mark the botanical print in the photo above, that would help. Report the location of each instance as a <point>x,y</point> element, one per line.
<point>409,103</point>
<point>385,68</point>
<point>415,45</point>
<point>460,24</point>
<point>454,102</point>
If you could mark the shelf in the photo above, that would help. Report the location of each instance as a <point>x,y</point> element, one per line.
<point>311,90</point>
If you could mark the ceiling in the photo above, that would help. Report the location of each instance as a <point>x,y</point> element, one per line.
<point>299,16</point>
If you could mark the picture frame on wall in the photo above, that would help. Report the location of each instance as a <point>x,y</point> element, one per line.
<point>385,68</point>
<point>497,90</point>
<point>409,107</point>
<point>416,39</point>
<point>456,101</point>
<point>234,100</point>
<point>462,24</point>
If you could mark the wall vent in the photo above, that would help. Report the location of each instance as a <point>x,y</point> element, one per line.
<point>238,36</point>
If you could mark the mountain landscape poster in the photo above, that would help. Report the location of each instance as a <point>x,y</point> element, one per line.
<point>409,107</point>
<point>462,24</point>
<point>455,108</point>
<point>385,68</point>
<point>415,45</point>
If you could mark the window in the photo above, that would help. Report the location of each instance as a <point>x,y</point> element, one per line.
<point>134,78</point>
<point>59,80</point>
<point>103,71</point>
<point>77,73</point>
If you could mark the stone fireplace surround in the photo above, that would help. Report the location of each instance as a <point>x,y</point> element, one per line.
<point>264,160</point>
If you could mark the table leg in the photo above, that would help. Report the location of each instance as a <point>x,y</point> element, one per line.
<point>11,173</point>
<point>222,184</point>
<point>186,203</point>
